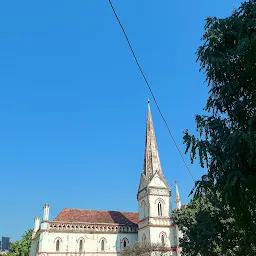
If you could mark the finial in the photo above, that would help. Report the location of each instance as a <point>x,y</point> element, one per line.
<point>148,103</point>
<point>175,181</point>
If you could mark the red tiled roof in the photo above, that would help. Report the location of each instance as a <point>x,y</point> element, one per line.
<point>97,216</point>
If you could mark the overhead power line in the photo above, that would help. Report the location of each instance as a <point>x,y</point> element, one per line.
<point>149,87</point>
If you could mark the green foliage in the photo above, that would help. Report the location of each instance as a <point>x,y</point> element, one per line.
<point>21,247</point>
<point>146,249</point>
<point>226,144</point>
<point>208,228</point>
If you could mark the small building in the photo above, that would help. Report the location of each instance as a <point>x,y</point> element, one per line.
<point>96,232</point>
<point>5,243</point>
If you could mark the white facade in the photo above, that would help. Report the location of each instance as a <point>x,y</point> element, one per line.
<point>85,243</point>
<point>92,232</point>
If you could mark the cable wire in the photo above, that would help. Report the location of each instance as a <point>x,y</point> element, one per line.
<point>149,87</point>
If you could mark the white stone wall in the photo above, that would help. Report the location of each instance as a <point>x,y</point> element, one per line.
<point>69,243</point>
<point>144,232</point>
<point>143,207</point>
<point>153,201</point>
<point>156,233</point>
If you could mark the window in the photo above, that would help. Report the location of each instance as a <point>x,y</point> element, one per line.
<point>162,240</point>
<point>159,208</point>
<point>143,209</point>
<point>81,245</point>
<point>176,240</point>
<point>102,245</point>
<point>37,247</point>
<point>57,245</point>
<point>124,242</point>
<point>144,238</point>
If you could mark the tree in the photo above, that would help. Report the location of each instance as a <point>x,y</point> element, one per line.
<point>21,247</point>
<point>146,249</point>
<point>226,144</point>
<point>208,228</point>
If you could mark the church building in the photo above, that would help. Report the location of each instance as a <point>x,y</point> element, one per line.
<point>97,232</point>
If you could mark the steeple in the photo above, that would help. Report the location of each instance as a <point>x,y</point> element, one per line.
<point>154,195</point>
<point>177,200</point>
<point>151,156</point>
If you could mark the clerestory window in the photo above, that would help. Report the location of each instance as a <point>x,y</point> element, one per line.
<point>81,245</point>
<point>102,245</point>
<point>57,246</point>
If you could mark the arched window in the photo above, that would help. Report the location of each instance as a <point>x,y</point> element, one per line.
<point>102,245</point>
<point>162,240</point>
<point>176,239</point>
<point>143,209</point>
<point>57,245</point>
<point>37,247</point>
<point>124,242</point>
<point>159,209</point>
<point>144,238</point>
<point>81,245</point>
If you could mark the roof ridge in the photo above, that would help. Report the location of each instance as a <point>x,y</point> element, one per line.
<point>86,209</point>
<point>97,216</point>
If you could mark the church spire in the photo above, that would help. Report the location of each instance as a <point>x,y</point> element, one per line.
<point>177,200</point>
<point>151,156</point>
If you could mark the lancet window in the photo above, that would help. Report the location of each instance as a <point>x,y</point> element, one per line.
<point>81,245</point>
<point>162,240</point>
<point>159,209</point>
<point>102,245</point>
<point>57,248</point>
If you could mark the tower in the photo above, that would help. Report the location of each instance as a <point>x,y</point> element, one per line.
<point>154,194</point>
<point>177,232</point>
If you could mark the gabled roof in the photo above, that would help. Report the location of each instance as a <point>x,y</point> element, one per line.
<point>161,177</point>
<point>97,216</point>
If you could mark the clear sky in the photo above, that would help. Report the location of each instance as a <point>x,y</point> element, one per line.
<point>73,103</point>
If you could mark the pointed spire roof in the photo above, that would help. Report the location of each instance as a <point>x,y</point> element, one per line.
<point>177,199</point>
<point>151,157</point>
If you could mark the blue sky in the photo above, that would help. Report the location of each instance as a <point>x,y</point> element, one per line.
<point>73,103</point>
